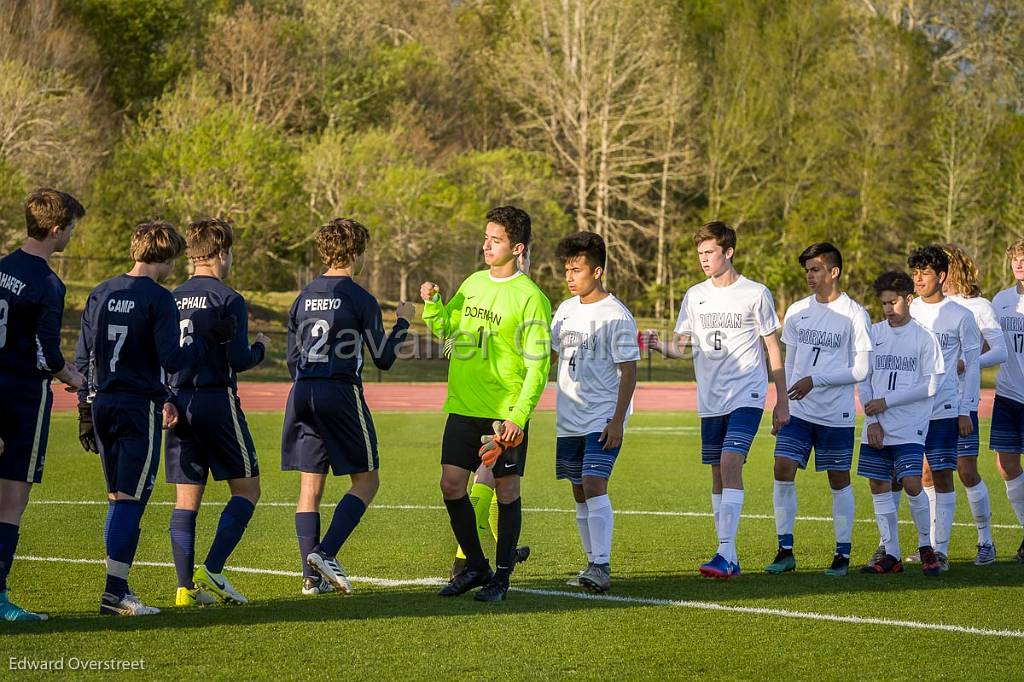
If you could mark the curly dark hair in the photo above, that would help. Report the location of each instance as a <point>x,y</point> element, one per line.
<point>341,241</point>
<point>894,280</point>
<point>590,245</point>
<point>516,222</point>
<point>932,256</point>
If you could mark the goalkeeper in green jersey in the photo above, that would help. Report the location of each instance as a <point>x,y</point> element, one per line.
<point>497,330</point>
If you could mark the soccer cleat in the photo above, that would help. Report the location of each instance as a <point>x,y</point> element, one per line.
<point>128,605</point>
<point>877,556</point>
<point>597,578</point>
<point>457,567</point>
<point>316,585</point>
<point>930,564</point>
<point>719,568</point>
<point>914,558</point>
<point>1020,553</point>
<point>218,585</point>
<point>522,553</point>
<point>575,580</point>
<point>887,564</point>
<point>840,567</point>
<point>943,562</point>
<point>14,613</point>
<point>185,596</point>
<point>784,562</point>
<point>331,570</point>
<point>495,590</point>
<point>466,580</point>
<point>986,554</point>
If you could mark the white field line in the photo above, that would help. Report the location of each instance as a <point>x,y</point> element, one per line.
<point>537,510</point>
<point>617,599</point>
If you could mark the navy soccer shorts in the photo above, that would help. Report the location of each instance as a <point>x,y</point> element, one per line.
<point>211,436</point>
<point>733,432</point>
<point>1007,426</point>
<point>905,459</point>
<point>941,443</point>
<point>128,432</point>
<point>579,456</point>
<point>833,445</point>
<point>460,446</point>
<point>328,425</point>
<point>969,446</point>
<point>24,427</point>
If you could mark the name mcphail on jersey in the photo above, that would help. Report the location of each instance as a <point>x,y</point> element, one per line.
<point>192,303</point>
<point>12,283</point>
<point>816,337</point>
<point>1012,324</point>
<point>898,362</point>
<point>721,320</point>
<point>482,313</point>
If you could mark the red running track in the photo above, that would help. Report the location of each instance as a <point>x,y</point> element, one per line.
<point>429,397</point>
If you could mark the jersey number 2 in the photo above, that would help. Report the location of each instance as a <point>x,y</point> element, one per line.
<point>319,332</point>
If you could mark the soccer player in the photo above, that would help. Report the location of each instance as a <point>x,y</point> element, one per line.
<point>498,325</point>
<point>906,372</point>
<point>595,337</point>
<point>961,285</point>
<point>1007,438</point>
<point>959,339</point>
<point>128,343</point>
<point>727,318</point>
<point>327,424</point>
<point>31,309</point>
<point>211,434</point>
<point>828,346</point>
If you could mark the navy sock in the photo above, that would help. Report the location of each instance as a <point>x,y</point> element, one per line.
<point>346,518</point>
<point>786,541</point>
<point>183,545</point>
<point>844,548</point>
<point>463,520</point>
<point>510,523</point>
<point>8,543</point>
<point>307,530</point>
<point>122,541</point>
<point>233,521</point>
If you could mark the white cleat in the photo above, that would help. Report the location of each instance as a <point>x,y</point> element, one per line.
<point>128,605</point>
<point>331,570</point>
<point>315,586</point>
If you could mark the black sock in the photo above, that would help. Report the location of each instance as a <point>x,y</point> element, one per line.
<point>463,520</point>
<point>510,523</point>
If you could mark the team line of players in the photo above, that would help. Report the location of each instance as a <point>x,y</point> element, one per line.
<point>149,359</point>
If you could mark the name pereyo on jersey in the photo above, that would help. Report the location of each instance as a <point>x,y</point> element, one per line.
<point>315,304</point>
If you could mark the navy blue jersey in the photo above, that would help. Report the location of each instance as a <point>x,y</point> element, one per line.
<point>202,301</point>
<point>329,323</point>
<point>129,339</point>
<point>31,308</point>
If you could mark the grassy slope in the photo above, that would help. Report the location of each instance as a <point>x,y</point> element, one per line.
<point>410,633</point>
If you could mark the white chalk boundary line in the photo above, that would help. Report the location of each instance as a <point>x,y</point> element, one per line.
<point>609,598</point>
<point>536,510</point>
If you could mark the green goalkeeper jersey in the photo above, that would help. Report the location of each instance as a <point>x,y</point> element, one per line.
<point>497,335</point>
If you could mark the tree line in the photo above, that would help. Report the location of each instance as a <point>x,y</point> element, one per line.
<point>875,124</point>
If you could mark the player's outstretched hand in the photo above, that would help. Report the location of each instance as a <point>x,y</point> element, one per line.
<point>876,435</point>
<point>800,389</point>
<point>223,330</point>
<point>170,416</point>
<point>263,340</point>
<point>405,311</point>
<point>86,432</point>
<point>428,290</point>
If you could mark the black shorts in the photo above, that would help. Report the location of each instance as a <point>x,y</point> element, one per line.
<point>24,426</point>
<point>211,436</point>
<point>460,446</point>
<point>128,433</point>
<point>327,423</point>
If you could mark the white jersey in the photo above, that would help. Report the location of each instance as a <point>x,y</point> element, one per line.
<point>591,339</point>
<point>821,338</point>
<point>957,333</point>
<point>725,326</point>
<point>988,323</point>
<point>1009,307</point>
<point>904,357</point>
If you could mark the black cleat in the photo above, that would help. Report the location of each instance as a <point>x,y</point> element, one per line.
<point>522,553</point>
<point>887,564</point>
<point>466,580</point>
<point>495,590</point>
<point>457,567</point>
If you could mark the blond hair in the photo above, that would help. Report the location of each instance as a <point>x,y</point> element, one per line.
<point>1016,249</point>
<point>341,241</point>
<point>156,242</point>
<point>47,208</point>
<point>962,276</point>
<point>207,238</point>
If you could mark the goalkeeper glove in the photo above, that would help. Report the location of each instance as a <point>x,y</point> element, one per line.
<point>495,446</point>
<point>86,432</point>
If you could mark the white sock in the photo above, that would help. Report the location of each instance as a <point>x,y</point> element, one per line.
<point>716,508</point>
<point>842,514</point>
<point>583,526</point>
<point>601,521</point>
<point>977,498</point>
<point>921,514</point>
<point>945,508</point>
<point>1015,492</point>
<point>784,497</point>
<point>729,521</point>
<point>929,491</point>
<point>885,516</point>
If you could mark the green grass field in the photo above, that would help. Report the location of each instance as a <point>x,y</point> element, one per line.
<point>661,620</point>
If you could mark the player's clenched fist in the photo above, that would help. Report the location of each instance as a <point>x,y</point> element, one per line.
<point>428,290</point>
<point>263,340</point>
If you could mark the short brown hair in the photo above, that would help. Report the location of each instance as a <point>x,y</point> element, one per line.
<point>156,242</point>
<point>1015,249</point>
<point>206,238</point>
<point>47,207</point>
<point>341,241</point>
<point>723,235</point>
<point>963,273</point>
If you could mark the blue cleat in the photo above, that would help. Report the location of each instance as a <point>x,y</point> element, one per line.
<point>14,613</point>
<point>720,568</point>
